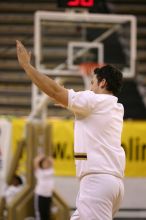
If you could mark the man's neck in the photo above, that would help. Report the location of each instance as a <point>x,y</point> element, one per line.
<point>103,91</point>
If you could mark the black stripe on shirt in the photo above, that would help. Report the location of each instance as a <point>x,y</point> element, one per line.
<point>80,156</point>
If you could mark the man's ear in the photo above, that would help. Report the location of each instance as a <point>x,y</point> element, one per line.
<point>103,83</point>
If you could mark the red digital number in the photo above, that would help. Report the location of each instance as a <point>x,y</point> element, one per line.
<point>87,3</point>
<point>74,3</point>
<point>83,3</point>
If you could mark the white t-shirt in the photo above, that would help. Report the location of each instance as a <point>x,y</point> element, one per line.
<point>11,192</point>
<point>97,133</point>
<point>45,182</point>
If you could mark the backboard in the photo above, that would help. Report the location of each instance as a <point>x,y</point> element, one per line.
<point>64,40</point>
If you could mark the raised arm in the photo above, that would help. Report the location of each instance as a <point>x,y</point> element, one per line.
<point>37,160</point>
<point>46,84</point>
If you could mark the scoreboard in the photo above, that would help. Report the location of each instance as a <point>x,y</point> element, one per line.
<point>76,3</point>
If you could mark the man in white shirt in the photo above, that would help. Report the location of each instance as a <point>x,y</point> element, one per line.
<point>99,157</point>
<point>44,174</point>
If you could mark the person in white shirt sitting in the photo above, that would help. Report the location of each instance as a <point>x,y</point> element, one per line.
<point>13,189</point>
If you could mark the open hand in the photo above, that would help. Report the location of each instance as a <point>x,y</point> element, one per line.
<point>23,55</point>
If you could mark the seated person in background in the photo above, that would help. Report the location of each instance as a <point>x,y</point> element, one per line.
<point>44,173</point>
<point>12,190</point>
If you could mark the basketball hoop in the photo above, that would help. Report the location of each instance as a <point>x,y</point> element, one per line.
<point>86,70</point>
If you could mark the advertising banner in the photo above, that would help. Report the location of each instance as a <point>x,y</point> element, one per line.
<point>18,128</point>
<point>62,146</point>
<point>134,144</point>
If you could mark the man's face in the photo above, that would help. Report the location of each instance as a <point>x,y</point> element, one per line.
<point>94,84</point>
<point>46,164</point>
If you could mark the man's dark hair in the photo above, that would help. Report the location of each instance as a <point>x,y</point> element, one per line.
<point>113,77</point>
<point>41,162</point>
<point>17,180</point>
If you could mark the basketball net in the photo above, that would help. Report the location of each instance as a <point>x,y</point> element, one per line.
<point>87,70</point>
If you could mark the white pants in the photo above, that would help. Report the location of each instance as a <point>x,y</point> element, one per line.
<point>99,197</point>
